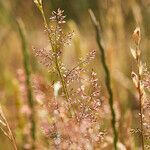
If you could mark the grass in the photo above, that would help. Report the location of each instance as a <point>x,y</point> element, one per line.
<point>79,94</point>
<point>107,77</point>
<point>27,69</point>
<point>5,127</point>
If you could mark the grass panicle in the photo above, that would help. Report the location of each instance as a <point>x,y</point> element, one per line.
<point>57,16</point>
<point>138,79</point>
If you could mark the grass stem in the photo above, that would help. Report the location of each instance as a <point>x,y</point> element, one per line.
<point>107,77</point>
<point>28,83</point>
<point>54,49</point>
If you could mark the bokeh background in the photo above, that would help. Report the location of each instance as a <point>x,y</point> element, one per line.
<point>118,19</point>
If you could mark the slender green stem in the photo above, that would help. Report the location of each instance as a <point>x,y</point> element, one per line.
<point>107,78</point>
<point>62,79</point>
<point>27,72</point>
<point>82,62</point>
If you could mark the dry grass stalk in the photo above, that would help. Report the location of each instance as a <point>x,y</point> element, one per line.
<point>4,126</point>
<point>138,79</point>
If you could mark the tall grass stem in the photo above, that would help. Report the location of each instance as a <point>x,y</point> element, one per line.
<point>28,83</point>
<point>107,77</point>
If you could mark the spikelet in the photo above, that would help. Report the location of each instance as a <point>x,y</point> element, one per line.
<point>58,38</point>
<point>45,57</point>
<point>137,36</point>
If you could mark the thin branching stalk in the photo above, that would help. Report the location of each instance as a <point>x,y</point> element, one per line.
<point>28,83</point>
<point>7,133</point>
<point>107,77</point>
<point>82,62</point>
<point>54,49</point>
